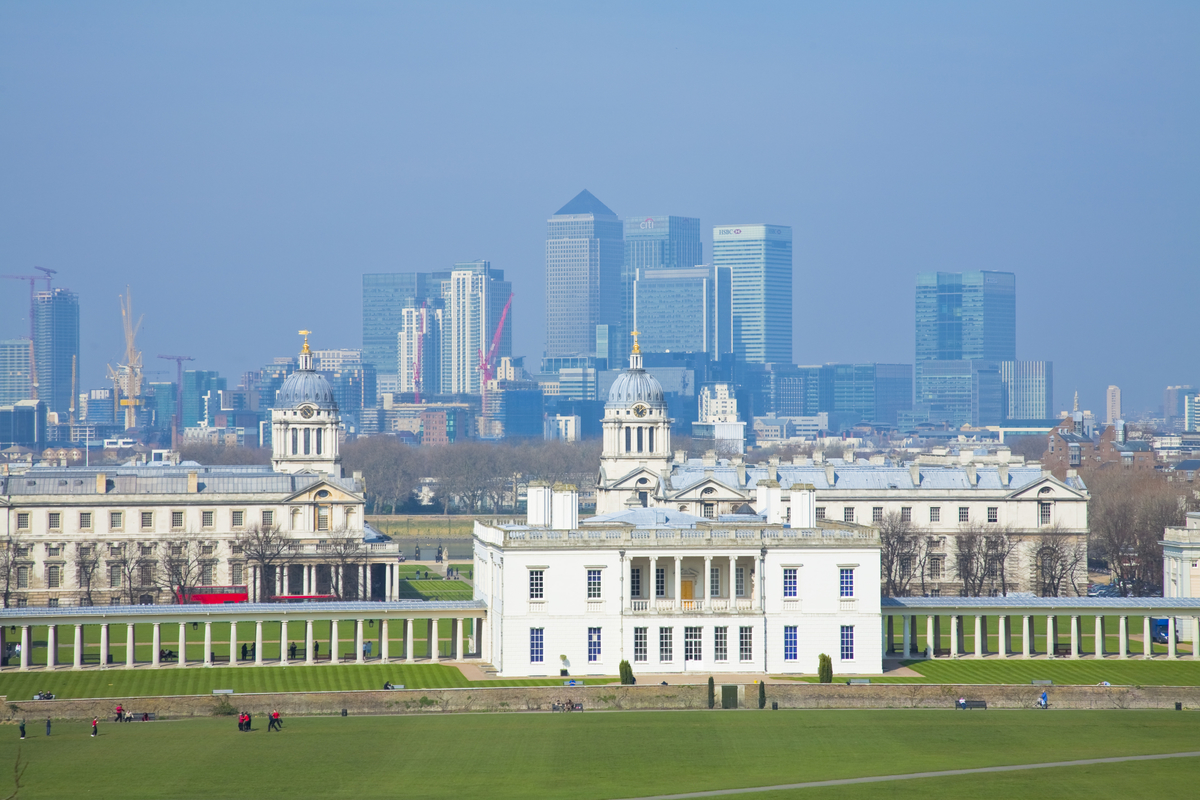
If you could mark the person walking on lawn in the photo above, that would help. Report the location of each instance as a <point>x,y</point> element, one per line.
<point>22,728</point>
<point>120,713</point>
<point>95,725</point>
<point>47,726</point>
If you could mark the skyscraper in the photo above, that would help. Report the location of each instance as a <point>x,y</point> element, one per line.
<point>1112,404</point>
<point>1028,389</point>
<point>473,298</point>
<point>385,296</point>
<point>584,253</point>
<point>683,310</point>
<point>966,315</point>
<point>56,322</point>
<point>656,243</point>
<point>759,258</point>
<point>14,371</point>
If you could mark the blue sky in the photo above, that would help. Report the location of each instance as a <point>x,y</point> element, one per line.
<point>240,165</point>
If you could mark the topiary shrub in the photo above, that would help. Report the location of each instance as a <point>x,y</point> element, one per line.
<point>825,669</point>
<point>712,692</point>
<point>626,673</point>
<point>762,694</point>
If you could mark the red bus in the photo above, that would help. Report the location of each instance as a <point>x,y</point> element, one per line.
<point>213,595</point>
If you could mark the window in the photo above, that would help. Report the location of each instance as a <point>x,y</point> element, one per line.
<point>789,643</point>
<point>635,582</point>
<point>593,645</point>
<point>115,520</point>
<point>906,566</point>
<point>53,576</point>
<point>692,640</point>
<point>964,514</point>
<point>721,644</point>
<point>22,520</point>
<point>146,574</point>
<point>52,602</point>
<point>848,514</point>
<point>268,518</point>
<point>235,574</point>
<point>746,643</point>
<point>847,643</point>
<point>54,520</point>
<point>85,520</point>
<point>206,550</point>
<point>935,514</point>
<point>1043,513</point>
<point>319,441</point>
<point>660,582</point>
<point>176,520</point>
<point>993,513</point>
<point>664,644</point>
<point>53,550</point>
<point>114,576</point>
<point>307,441</point>
<point>906,513</point>
<point>206,519</point>
<point>22,602</point>
<point>627,435</point>
<point>877,514</point>
<point>789,582</point>
<point>295,441</point>
<point>639,645</point>
<point>147,520</point>
<point>846,583</point>
<point>536,585</point>
<point>707,510</point>
<point>935,569</point>
<point>537,646</point>
<point>322,518</point>
<point>741,581</point>
<point>820,512</point>
<point>593,584</point>
<point>206,575</point>
<point>714,582</point>
<point>239,518</point>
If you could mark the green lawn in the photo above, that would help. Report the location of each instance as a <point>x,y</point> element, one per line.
<point>609,755</point>
<point>1016,670</point>
<point>150,682</point>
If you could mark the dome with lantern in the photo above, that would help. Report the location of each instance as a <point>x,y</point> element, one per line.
<point>635,385</point>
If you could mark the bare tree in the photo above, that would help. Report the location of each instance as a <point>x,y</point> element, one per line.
<point>181,567</point>
<point>136,567</point>
<point>983,557</point>
<point>8,568</point>
<point>346,551</point>
<point>1061,558</point>
<point>267,548</point>
<point>1127,514</point>
<point>87,565</point>
<point>903,554</point>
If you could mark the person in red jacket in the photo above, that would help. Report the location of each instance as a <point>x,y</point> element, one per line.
<point>120,713</point>
<point>95,725</point>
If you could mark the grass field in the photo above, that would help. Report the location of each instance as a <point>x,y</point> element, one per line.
<point>610,755</point>
<point>119,683</point>
<point>1014,670</point>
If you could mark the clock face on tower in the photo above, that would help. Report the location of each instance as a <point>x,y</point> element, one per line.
<point>306,412</point>
<point>640,411</point>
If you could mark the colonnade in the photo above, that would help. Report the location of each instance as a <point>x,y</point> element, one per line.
<point>307,585</point>
<point>1024,625</point>
<point>704,598</point>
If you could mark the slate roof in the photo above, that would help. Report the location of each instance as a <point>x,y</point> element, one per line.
<point>1033,601</point>
<point>154,480</point>
<point>585,203</point>
<point>646,518</point>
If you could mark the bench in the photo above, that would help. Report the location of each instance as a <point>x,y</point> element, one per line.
<point>566,707</point>
<point>1042,683</point>
<point>137,717</point>
<point>941,651</point>
<point>967,705</point>
<point>857,681</point>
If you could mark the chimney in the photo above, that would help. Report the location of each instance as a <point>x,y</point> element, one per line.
<point>710,458</point>
<point>741,473</point>
<point>193,481</point>
<point>830,475</point>
<point>681,456</point>
<point>101,483</point>
<point>537,504</point>
<point>972,477</point>
<point>1003,470</point>
<point>914,472</point>
<point>773,468</point>
<point>564,507</point>
<point>769,497</point>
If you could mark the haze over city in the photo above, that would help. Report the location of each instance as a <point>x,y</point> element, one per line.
<point>240,167</point>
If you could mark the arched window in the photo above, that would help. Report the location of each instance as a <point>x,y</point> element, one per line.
<point>318,441</point>
<point>639,438</point>
<point>295,441</point>
<point>627,435</point>
<point>307,441</point>
<point>651,448</point>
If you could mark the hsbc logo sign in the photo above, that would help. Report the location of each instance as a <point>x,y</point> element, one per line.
<point>728,231</point>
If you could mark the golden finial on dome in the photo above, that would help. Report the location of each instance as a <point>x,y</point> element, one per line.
<point>305,335</point>
<point>637,348</point>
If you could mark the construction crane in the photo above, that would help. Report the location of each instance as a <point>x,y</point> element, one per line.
<point>177,417</point>
<point>131,370</point>
<point>33,279</point>
<point>487,364</point>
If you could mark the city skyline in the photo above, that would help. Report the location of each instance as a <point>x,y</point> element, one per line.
<point>888,147</point>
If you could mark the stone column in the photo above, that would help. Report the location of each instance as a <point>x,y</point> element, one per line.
<point>885,627</point>
<point>51,646</point>
<point>929,639</point>
<point>1123,637</point>
<point>387,582</point>
<point>179,662</point>
<point>1196,637</point>
<point>77,661</point>
<point>434,655</point>
<point>979,636</point>
<point>279,578</point>
<point>233,655</point>
<point>383,635</point>
<point>455,638</point>
<point>258,642</point>
<point>103,646</point>
<point>308,641</point>
<point>1075,636</point>
<point>1147,650</point>
<point>334,656</point>
<point>208,644</point>
<point>732,589</point>
<point>304,579</point>
<point>706,580</point>
<point>678,583</point>
<point>626,583</point>
<point>358,642</point>
<point>1026,636</point>
<point>1171,637</point>
<point>283,642</point>
<point>25,644</point>
<point>1002,636</point>
<point>1099,633</point>
<point>408,640</point>
<point>1051,636</point>
<point>652,592</point>
<point>156,645</point>
<point>485,638</point>
<point>364,590</point>
<point>129,643</point>
<point>954,649</point>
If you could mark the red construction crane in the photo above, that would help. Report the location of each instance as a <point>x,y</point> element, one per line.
<point>177,417</point>
<point>487,364</point>
<point>33,279</point>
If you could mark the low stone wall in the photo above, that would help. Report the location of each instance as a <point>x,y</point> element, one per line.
<point>612,698</point>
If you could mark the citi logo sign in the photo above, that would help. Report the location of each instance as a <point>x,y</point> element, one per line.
<point>647,223</point>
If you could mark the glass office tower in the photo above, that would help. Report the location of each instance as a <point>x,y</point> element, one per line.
<point>56,321</point>
<point>759,258</point>
<point>584,253</point>
<point>683,310</point>
<point>1028,389</point>
<point>967,315</point>
<point>385,296</point>
<point>656,243</point>
<point>14,371</point>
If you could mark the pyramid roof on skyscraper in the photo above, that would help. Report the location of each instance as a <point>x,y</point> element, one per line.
<point>585,203</point>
